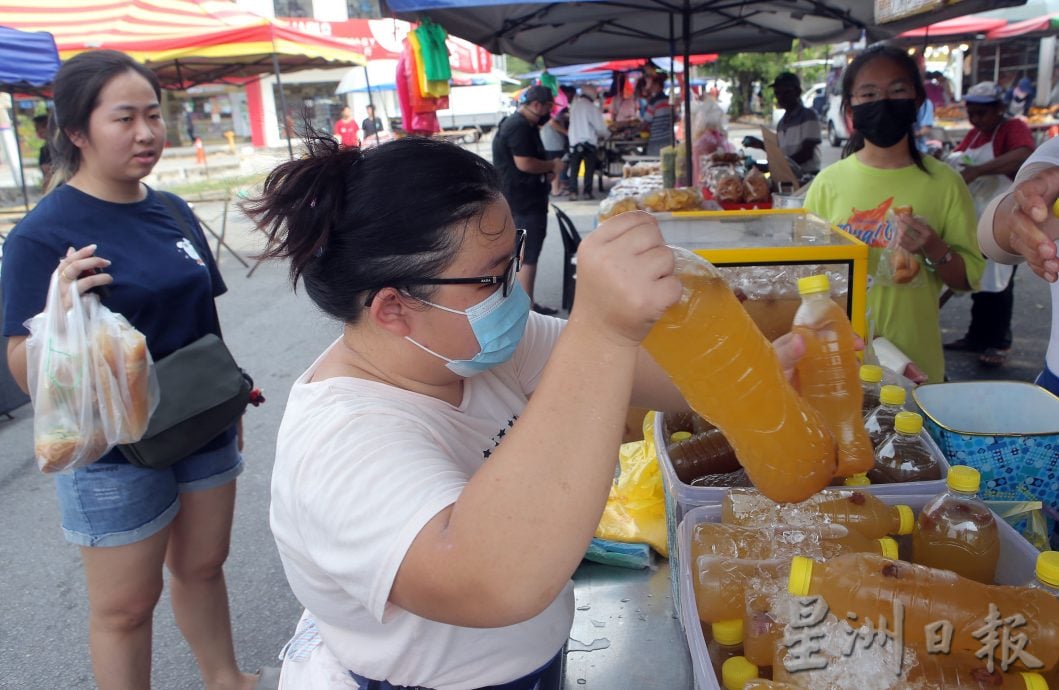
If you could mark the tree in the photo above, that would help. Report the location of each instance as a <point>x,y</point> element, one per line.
<point>743,69</point>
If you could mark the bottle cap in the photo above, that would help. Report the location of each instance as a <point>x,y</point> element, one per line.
<point>963,478</point>
<point>892,395</point>
<point>1034,681</point>
<point>888,548</point>
<point>728,632</point>
<point>859,479</point>
<point>735,672</point>
<point>678,436</point>
<point>907,522</point>
<point>870,373</point>
<point>813,284</point>
<point>1048,568</point>
<point>800,577</point>
<point>908,422</point>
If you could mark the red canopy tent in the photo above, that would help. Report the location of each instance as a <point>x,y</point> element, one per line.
<point>957,26</point>
<point>1049,23</point>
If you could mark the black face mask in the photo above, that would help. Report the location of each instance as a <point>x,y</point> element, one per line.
<point>886,121</point>
<point>544,119</point>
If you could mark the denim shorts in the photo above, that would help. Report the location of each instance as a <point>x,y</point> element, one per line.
<point>114,504</point>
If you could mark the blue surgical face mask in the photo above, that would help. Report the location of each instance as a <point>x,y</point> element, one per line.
<point>498,323</point>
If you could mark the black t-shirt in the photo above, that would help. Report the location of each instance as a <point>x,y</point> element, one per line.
<point>370,126</point>
<point>525,193</point>
<point>45,156</point>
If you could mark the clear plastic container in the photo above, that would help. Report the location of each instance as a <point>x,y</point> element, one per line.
<point>710,347</point>
<point>956,531</point>
<point>871,376</point>
<point>906,456</point>
<point>880,422</point>
<point>828,373</point>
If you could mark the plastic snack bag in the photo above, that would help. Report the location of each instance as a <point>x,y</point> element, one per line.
<point>87,396</point>
<point>898,266</point>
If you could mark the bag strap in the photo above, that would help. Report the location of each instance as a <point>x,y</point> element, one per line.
<point>174,212</point>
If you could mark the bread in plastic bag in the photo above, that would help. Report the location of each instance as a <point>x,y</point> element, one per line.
<point>898,266</point>
<point>91,380</point>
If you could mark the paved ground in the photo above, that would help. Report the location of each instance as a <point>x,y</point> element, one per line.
<point>274,334</point>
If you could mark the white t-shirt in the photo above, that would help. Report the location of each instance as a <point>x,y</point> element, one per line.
<point>586,123</point>
<point>360,468</point>
<point>1046,156</point>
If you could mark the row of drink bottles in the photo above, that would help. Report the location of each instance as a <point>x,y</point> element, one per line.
<point>840,545</point>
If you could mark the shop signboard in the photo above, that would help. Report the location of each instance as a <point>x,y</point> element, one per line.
<point>893,10</point>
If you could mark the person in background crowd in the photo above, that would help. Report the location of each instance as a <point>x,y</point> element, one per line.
<point>346,129</point>
<point>524,168</point>
<point>882,170</point>
<point>586,130</point>
<point>658,117</point>
<point>935,87</point>
<point>799,128</point>
<point>372,123</point>
<point>988,158</point>
<point>40,124</point>
<point>554,136</point>
<point>641,90</point>
<point>1021,98</point>
<point>925,126</point>
<point>131,523</point>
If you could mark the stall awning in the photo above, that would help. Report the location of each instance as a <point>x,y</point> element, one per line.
<point>958,26</point>
<point>1038,25</point>
<point>27,58</point>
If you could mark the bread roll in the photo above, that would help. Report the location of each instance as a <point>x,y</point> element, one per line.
<point>905,267</point>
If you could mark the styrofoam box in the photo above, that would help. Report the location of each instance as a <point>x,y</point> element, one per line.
<point>680,497</point>
<point>1016,566</point>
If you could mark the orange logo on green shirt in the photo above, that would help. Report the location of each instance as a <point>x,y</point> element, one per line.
<point>871,226</point>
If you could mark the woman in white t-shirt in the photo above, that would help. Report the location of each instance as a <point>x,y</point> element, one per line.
<point>428,511</point>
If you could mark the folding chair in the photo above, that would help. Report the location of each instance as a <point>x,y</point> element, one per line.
<point>571,240</point>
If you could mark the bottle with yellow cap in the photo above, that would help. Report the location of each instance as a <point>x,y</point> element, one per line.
<point>905,456</point>
<point>737,672</point>
<point>828,373</point>
<point>695,455</point>
<point>870,586</point>
<point>858,510</point>
<point>1047,573</point>
<point>941,672</point>
<point>880,422</point>
<point>710,348</point>
<point>956,530</point>
<point>859,479</point>
<point>727,642</point>
<point>782,541</point>
<point>871,376</point>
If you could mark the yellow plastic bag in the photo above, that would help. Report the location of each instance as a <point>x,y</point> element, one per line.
<point>635,511</point>
<point>1027,517</point>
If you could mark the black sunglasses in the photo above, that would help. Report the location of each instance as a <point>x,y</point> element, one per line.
<point>506,280</point>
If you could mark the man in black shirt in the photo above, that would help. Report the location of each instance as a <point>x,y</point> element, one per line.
<point>40,122</point>
<point>526,174</point>
<point>371,123</point>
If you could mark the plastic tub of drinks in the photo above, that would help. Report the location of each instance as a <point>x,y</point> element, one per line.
<point>1016,566</point>
<point>1007,430</point>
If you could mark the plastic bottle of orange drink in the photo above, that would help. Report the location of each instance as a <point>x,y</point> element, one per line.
<point>871,586</point>
<point>729,374</point>
<point>956,530</point>
<point>880,422</point>
<point>905,456</point>
<point>828,373</point>
<point>727,642</point>
<point>857,510</point>
<point>764,543</point>
<point>871,376</point>
<point>1046,579</point>
<point>695,455</point>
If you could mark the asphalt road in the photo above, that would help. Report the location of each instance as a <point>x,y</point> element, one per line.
<point>275,334</point>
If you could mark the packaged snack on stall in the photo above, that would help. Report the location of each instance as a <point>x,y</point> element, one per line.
<point>905,456</point>
<point>898,266</point>
<point>756,187</point>
<point>828,373</point>
<point>700,454</point>
<point>712,350</point>
<point>727,642</point>
<point>871,376</point>
<point>857,510</point>
<point>880,422</point>
<point>957,531</point>
<point>870,586</point>
<point>610,207</point>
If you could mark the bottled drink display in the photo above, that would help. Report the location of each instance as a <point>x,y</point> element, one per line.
<point>737,672</point>
<point>764,543</point>
<point>729,374</point>
<point>727,642</point>
<point>857,510</point>
<point>828,373</point>
<point>905,456</point>
<point>956,531</point>
<point>870,586</point>
<point>1046,575</point>
<point>700,454</point>
<point>880,422</point>
<point>721,584</point>
<point>871,376</point>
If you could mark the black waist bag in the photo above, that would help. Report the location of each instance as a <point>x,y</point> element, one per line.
<point>202,393</point>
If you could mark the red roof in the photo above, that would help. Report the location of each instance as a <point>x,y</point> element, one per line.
<point>956,27</point>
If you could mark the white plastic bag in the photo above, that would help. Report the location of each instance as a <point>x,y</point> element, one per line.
<point>91,380</point>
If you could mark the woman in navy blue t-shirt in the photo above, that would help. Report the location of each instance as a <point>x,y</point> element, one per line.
<point>104,227</point>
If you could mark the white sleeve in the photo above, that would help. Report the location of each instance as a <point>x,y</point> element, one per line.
<point>1046,156</point>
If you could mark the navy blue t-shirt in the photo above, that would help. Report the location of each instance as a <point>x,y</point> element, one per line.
<point>163,284</point>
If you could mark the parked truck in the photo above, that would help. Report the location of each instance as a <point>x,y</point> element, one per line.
<point>473,110</point>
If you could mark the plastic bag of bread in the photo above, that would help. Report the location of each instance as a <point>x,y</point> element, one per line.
<point>610,207</point>
<point>897,266</point>
<point>91,380</point>
<point>756,187</point>
<point>729,189</point>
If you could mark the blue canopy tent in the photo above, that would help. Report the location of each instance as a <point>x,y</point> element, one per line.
<point>570,32</point>
<point>28,62</point>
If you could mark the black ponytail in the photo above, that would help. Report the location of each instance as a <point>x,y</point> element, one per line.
<point>352,221</point>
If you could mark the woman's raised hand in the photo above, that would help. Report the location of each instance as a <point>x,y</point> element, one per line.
<point>625,279</point>
<point>1032,223</point>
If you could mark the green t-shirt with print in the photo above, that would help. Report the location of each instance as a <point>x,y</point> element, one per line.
<point>856,197</point>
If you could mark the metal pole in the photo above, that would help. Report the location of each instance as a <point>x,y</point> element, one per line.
<point>673,72</point>
<point>18,147</point>
<point>688,167</point>
<point>282,100</point>
<point>367,83</point>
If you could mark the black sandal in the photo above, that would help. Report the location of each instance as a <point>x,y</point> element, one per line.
<point>964,345</point>
<point>993,358</point>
